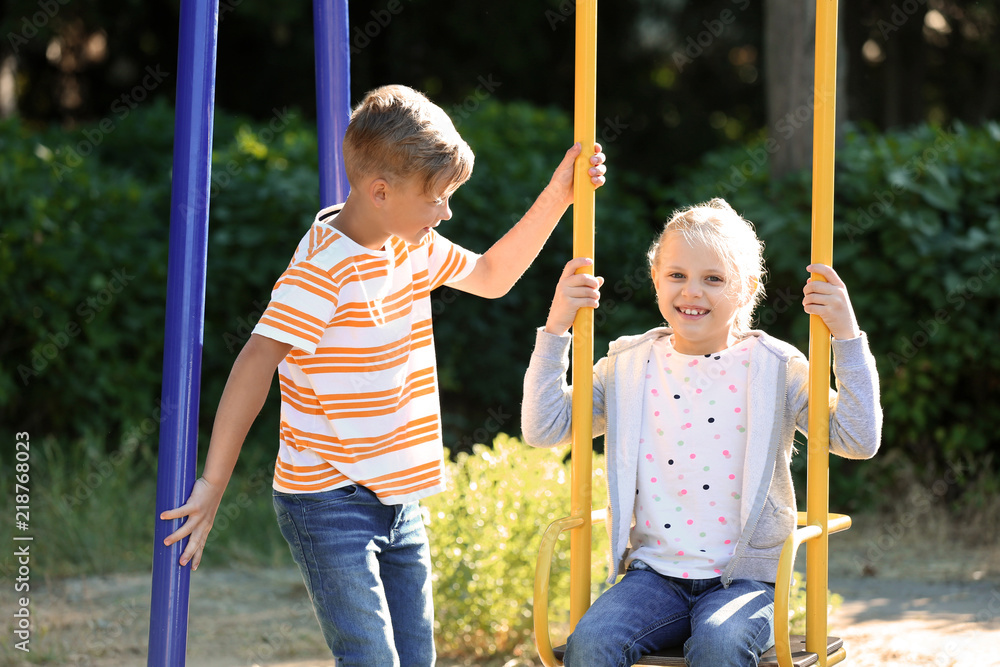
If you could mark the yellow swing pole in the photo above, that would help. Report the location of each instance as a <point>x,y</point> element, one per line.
<point>584,131</point>
<point>818,472</point>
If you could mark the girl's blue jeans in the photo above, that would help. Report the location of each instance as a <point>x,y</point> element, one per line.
<point>367,568</point>
<point>647,612</point>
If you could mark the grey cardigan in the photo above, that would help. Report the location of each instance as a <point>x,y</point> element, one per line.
<point>778,398</point>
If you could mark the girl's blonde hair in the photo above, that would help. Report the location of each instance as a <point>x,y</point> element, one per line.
<point>396,132</point>
<point>716,225</point>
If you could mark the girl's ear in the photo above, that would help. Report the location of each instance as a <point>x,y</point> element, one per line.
<point>754,287</point>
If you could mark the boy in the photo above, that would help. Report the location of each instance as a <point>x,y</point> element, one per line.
<point>349,329</point>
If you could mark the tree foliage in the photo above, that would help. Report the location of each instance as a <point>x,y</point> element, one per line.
<point>676,78</point>
<point>916,239</point>
<point>84,252</point>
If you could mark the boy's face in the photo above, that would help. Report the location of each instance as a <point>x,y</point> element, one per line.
<point>412,212</point>
<point>691,290</point>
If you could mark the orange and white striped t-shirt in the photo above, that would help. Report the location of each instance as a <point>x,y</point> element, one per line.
<point>359,394</point>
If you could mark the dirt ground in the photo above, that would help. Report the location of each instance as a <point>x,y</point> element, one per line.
<point>906,601</point>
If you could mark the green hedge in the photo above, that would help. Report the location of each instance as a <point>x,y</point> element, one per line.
<point>916,237</point>
<point>84,255</point>
<point>83,252</point>
<point>485,531</point>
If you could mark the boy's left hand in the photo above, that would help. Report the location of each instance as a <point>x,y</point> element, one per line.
<point>830,301</point>
<point>562,179</point>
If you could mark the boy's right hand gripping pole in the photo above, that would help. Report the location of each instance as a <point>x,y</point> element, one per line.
<point>584,129</point>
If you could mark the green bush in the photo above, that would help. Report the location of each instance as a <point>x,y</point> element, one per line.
<point>484,533</point>
<point>917,230</point>
<point>83,259</point>
<point>83,256</point>
<point>797,604</point>
<point>78,497</point>
<point>483,346</point>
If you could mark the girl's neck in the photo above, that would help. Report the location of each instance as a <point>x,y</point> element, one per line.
<point>702,347</point>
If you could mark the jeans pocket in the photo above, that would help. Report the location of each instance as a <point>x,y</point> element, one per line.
<point>317,502</point>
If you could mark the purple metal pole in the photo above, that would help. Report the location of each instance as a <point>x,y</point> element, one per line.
<point>195,110</point>
<point>333,96</point>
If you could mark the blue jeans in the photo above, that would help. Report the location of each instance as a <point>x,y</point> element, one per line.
<point>647,612</point>
<point>367,568</point>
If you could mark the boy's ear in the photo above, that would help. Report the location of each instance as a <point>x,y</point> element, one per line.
<point>378,191</point>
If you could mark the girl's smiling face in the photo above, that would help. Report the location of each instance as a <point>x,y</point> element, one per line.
<point>694,295</point>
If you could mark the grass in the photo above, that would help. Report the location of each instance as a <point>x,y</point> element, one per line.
<point>92,513</point>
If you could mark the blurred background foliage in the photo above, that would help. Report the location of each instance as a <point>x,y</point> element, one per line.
<point>686,112</point>
<point>682,77</point>
<point>84,250</point>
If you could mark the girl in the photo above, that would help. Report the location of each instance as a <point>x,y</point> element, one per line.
<point>699,420</point>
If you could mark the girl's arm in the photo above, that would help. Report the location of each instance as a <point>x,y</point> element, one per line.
<point>546,413</point>
<point>547,408</point>
<point>831,302</point>
<point>855,411</point>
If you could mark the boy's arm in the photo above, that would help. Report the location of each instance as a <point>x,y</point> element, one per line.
<point>503,264</point>
<point>244,395</point>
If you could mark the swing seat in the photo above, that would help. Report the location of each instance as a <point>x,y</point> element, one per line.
<point>674,657</point>
<point>788,650</point>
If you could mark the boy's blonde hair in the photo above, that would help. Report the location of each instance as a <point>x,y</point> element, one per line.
<point>397,133</point>
<point>716,225</point>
